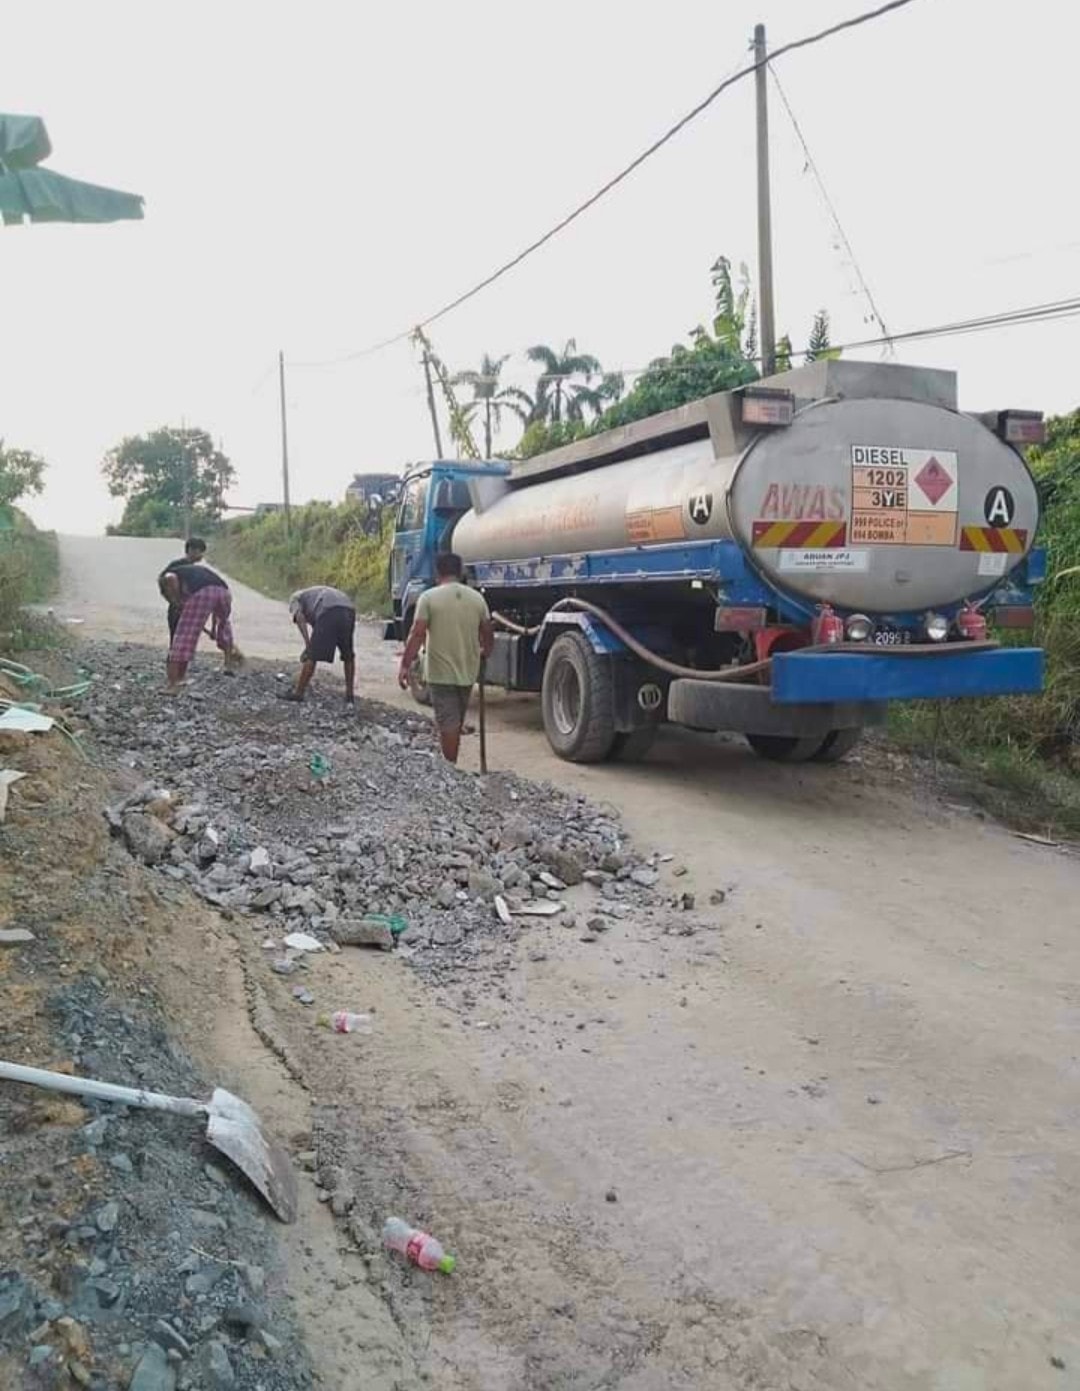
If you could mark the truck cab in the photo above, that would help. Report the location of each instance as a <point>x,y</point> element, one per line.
<point>433,497</point>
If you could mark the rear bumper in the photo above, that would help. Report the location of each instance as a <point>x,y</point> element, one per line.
<point>800,678</point>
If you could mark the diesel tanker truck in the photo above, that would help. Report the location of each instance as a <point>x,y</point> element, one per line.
<point>781,561</point>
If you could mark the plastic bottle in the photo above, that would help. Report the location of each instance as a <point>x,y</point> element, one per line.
<point>343,1021</point>
<point>416,1246</point>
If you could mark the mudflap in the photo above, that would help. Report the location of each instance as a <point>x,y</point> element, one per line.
<point>746,709</point>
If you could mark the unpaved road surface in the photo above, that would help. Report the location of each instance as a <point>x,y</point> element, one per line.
<point>841,1125</point>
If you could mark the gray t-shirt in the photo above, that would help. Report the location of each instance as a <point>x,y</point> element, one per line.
<point>317,600</point>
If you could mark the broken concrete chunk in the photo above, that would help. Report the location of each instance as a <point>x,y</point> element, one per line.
<point>147,838</point>
<point>259,862</point>
<point>13,936</point>
<point>153,1372</point>
<point>362,932</point>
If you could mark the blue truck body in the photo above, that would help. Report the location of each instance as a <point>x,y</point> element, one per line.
<point>811,695</point>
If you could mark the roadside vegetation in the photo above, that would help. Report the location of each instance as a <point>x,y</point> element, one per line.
<point>325,544</point>
<point>1025,750</point>
<point>29,560</point>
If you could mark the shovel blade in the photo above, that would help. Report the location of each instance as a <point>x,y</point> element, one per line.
<point>235,1130</point>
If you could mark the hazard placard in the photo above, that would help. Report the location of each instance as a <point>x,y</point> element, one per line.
<point>904,497</point>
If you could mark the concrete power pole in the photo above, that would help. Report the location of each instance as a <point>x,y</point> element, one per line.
<point>185,467</point>
<point>284,444</point>
<point>765,280</point>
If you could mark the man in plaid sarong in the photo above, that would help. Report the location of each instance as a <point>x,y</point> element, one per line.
<point>204,596</point>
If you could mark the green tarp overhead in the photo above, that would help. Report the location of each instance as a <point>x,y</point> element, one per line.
<point>24,141</point>
<point>28,193</point>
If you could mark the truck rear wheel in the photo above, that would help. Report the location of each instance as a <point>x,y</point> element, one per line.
<point>577,699</point>
<point>837,745</point>
<point>784,748</point>
<point>633,745</point>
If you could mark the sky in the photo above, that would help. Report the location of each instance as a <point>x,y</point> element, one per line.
<point>320,177</point>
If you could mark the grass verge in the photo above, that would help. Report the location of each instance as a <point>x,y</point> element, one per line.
<point>1013,782</point>
<point>29,573</point>
<point>325,544</point>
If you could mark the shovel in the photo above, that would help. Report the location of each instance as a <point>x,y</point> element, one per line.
<point>231,1127</point>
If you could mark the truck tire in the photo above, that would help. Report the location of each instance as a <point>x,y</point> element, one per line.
<point>837,745</point>
<point>631,746</point>
<point>578,701</point>
<point>784,748</point>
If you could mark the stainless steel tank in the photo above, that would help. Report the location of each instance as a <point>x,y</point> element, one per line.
<point>871,504</point>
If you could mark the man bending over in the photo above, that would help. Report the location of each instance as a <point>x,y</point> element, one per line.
<point>327,621</point>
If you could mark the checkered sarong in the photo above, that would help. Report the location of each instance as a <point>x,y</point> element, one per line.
<point>214,603</point>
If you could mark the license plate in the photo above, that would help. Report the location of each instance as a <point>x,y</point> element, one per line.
<point>892,637</point>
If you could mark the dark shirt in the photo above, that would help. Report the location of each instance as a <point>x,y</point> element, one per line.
<point>192,578</point>
<point>172,566</point>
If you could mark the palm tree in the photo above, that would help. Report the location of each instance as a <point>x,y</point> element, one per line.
<point>554,389</point>
<point>596,399</point>
<point>494,399</point>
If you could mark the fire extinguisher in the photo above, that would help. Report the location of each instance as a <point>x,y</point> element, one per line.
<point>970,623</point>
<point>827,628</point>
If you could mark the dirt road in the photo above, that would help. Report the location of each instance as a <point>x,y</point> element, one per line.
<point>841,1125</point>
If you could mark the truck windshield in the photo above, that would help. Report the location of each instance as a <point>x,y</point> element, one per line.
<point>413,504</point>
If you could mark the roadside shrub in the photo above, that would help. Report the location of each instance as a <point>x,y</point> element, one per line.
<point>29,569</point>
<point>327,544</point>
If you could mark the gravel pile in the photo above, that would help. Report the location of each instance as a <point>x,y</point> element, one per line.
<point>165,1273</point>
<point>310,817</point>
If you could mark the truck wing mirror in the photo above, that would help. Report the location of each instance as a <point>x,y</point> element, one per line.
<point>451,497</point>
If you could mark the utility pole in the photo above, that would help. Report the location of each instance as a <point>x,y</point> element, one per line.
<point>765,280</point>
<point>185,476</point>
<point>431,404</point>
<point>284,443</point>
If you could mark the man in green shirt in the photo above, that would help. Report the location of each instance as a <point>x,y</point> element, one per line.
<point>453,626</point>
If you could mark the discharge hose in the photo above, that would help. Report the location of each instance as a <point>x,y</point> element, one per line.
<point>751,670</point>
<point>746,673</point>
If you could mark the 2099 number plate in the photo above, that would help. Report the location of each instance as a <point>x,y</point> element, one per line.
<point>892,637</point>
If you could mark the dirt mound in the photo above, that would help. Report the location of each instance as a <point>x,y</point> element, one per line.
<point>128,1242</point>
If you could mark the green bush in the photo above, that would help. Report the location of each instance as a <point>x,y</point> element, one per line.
<point>326,544</point>
<point>1018,742</point>
<point>29,569</point>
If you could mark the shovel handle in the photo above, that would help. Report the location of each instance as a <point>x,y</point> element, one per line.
<point>102,1091</point>
<point>483,717</point>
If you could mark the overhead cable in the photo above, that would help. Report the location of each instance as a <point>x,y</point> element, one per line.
<point>811,164</point>
<point>623,174</point>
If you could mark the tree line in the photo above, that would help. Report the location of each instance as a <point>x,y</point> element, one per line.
<point>174,478</point>
<point>574,396</point>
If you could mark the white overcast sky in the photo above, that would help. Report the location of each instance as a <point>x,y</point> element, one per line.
<point>319,176</point>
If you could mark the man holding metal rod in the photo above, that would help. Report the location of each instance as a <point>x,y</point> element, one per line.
<point>453,626</point>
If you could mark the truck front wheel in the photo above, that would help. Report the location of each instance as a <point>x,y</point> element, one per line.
<point>784,748</point>
<point>578,701</point>
<point>838,744</point>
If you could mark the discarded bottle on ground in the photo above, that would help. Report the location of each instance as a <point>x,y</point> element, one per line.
<point>416,1246</point>
<point>343,1021</point>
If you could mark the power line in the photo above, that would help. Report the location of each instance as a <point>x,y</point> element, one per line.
<point>1009,318</point>
<point>811,164</point>
<point>614,182</point>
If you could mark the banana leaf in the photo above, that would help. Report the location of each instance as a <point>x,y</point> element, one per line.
<point>41,195</point>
